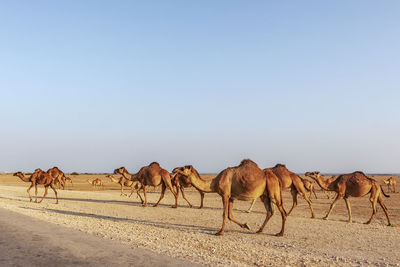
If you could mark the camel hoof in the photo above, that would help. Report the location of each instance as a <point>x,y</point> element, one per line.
<point>325,218</point>
<point>279,234</point>
<point>144,205</point>
<point>259,231</point>
<point>200,207</point>
<point>174,207</point>
<point>246,226</point>
<point>368,222</point>
<point>219,233</point>
<point>312,217</point>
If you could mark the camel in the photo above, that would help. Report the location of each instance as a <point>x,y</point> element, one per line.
<point>244,182</point>
<point>391,182</point>
<point>308,185</point>
<point>151,175</point>
<point>69,180</point>
<point>292,180</point>
<point>180,181</point>
<point>355,184</point>
<point>58,175</point>
<point>96,182</point>
<point>122,181</point>
<point>38,177</point>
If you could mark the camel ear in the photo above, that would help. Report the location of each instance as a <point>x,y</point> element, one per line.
<point>190,167</point>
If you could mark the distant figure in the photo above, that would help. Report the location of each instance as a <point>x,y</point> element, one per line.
<point>391,182</point>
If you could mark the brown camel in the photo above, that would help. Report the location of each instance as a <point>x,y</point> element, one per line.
<point>391,182</point>
<point>244,182</point>
<point>38,177</point>
<point>181,181</point>
<point>355,184</point>
<point>58,175</point>
<point>308,185</point>
<point>133,185</point>
<point>152,175</point>
<point>292,180</point>
<point>96,182</point>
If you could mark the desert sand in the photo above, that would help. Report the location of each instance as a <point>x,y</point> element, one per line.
<point>183,235</point>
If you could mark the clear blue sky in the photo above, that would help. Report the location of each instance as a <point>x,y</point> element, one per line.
<point>90,86</point>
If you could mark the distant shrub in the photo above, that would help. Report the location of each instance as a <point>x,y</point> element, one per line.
<point>74,173</point>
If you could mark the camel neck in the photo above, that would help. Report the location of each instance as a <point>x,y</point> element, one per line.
<point>324,184</point>
<point>23,178</point>
<point>202,185</point>
<point>113,179</point>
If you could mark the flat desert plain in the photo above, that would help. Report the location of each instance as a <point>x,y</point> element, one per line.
<point>187,234</point>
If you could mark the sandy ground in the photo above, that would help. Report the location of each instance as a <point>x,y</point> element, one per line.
<point>188,233</point>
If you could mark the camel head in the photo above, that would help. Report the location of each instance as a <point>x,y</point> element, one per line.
<point>386,181</point>
<point>18,174</point>
<point>313,175</point>
<point>187,171</point>
<point>120,170</point>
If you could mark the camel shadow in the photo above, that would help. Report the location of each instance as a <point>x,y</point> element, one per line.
<point>156,224</point>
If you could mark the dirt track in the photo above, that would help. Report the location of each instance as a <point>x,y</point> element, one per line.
<point>187,234</point>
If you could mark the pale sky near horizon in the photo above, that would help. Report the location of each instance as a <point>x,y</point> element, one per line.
<point>90,86</point>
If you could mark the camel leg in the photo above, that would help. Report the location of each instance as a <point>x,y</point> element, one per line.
<point>122,191</point>
<point>270,212</point>
<point>36,193</point>
<point>385,210</point>
<point>312,189</point>
<point>46,189</point>
<point>394,189</point>
<point>293,191</point>
<point>177,187</point>
<point>29,192</point>
<point>338,197</point>
<point>162,194</point>
<point>141,199</point>
<point>373,202</point>
<point>348,209</point>
<point>201,199</point>
<point>145,196</point>
<point>251,206</point>
<point>230,215</point>
<point>183,195</point>
<point>55,192</point>
<point>167,182</point>
<point>309,204</point>
<point>225,201</point>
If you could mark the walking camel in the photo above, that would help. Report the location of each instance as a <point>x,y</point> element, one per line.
<point>151,175</point>
<point>292,180</point>
<point>96,182</point>
<point>244,182</point>
<point>58,176</point>
<point>391,182</point>
<point>355,184</point>
<point>181,181</point>
<point>308,185</point>
<point>38,177</point>
<point>133,185</point>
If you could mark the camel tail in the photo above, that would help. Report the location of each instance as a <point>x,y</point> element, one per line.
<point>383,192</point>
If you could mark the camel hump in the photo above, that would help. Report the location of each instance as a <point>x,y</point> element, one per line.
<point>280,165</point>
<point>246,162</point>
<point>154,163</point>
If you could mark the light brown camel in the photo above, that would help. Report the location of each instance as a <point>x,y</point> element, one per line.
<point>292,180</point>
<point>68,180</point>
<point>58,175</point>
<point>133,185</point>
<point>308,185</point>
<point>96,182</point>
<point>355,184</point>
<point>181,181</point>
<point>38,177</point>
<point>152,175</point>
<point>244,182</point>
<point>391,182</point>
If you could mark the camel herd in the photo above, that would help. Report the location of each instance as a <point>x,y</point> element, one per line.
<point>243,182</point>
